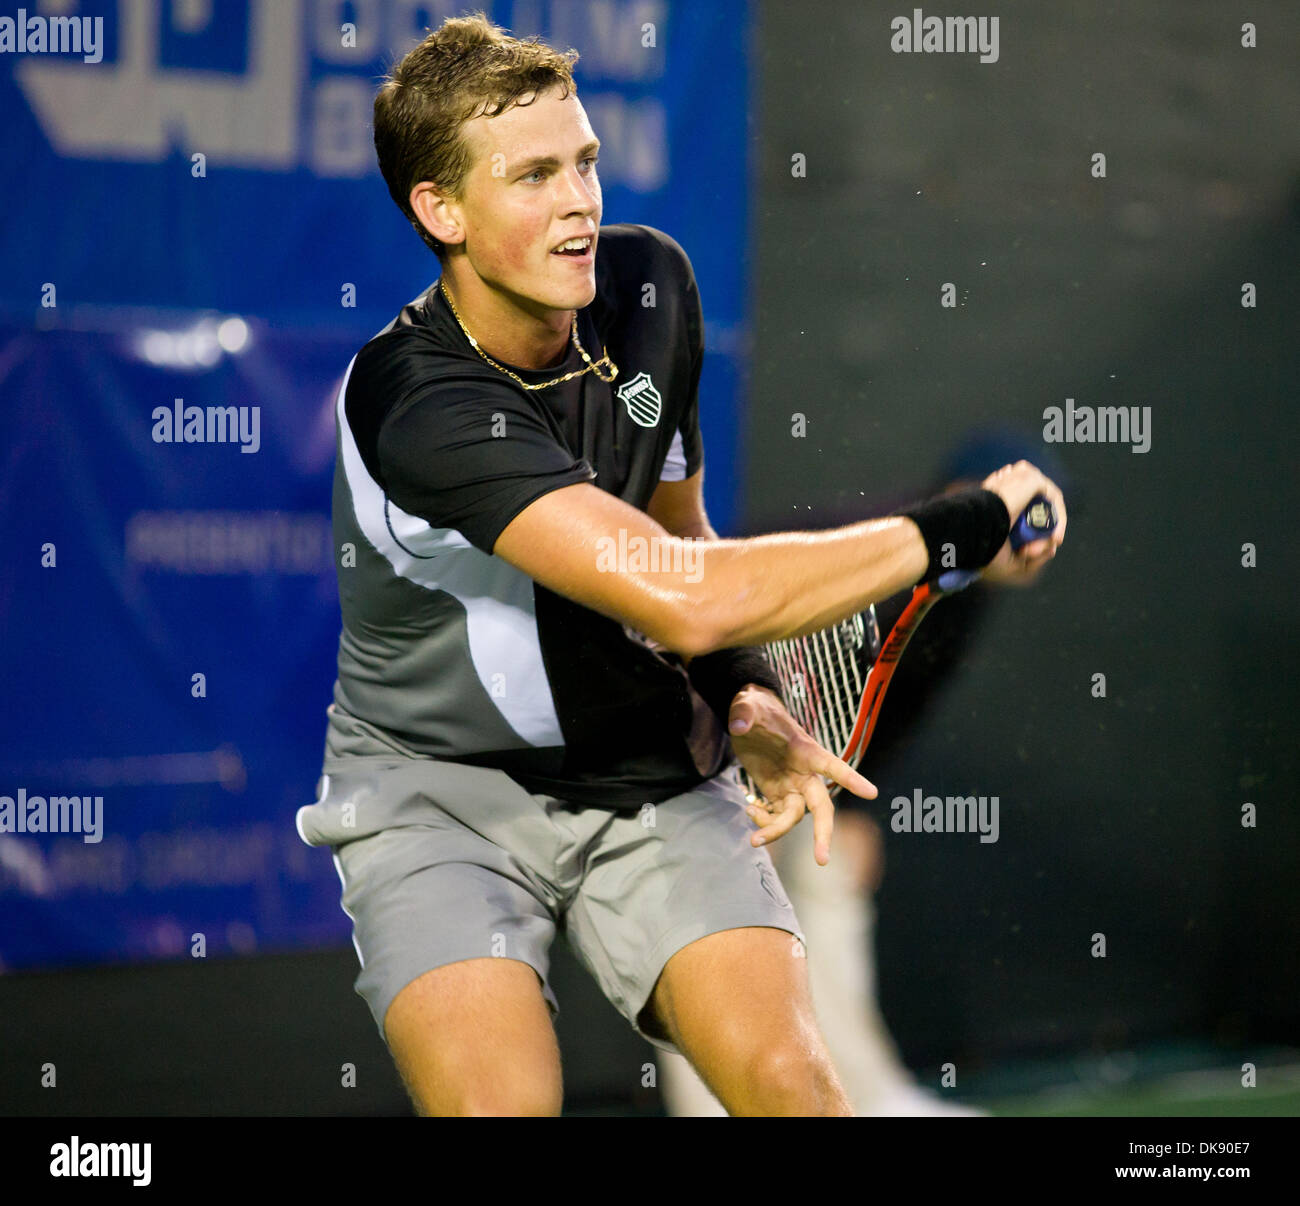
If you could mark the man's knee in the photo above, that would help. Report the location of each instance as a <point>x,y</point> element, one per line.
<point>485,1099</point>
<point>753,1071</point>
<point>795,1075</point>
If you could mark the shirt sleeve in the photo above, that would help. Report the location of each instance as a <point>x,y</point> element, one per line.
<point>688,430</point>
<point>471,456</point>
<point>674,469</point>
<point>685,456</point>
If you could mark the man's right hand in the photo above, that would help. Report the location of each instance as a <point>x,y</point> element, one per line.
<point>1018,485</point>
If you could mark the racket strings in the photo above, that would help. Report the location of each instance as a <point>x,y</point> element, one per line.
<point>822,676</point>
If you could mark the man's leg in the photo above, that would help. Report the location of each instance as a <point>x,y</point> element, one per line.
<point>737,1004</point>
<point>835,909</point>
<point>452,927</point>
<point>475,1038</point>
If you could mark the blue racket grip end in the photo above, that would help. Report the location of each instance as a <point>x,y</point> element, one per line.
<point>1036,521</point>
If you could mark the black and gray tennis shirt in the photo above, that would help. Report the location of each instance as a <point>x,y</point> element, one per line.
<point>451,653</point>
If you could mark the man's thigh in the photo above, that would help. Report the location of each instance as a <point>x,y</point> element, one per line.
<point>475,1038</point>
<point>735,988</point>
<point>421,887</point>
<point>736,1003</point>
<point>658,881</point>
<point>452,932</point>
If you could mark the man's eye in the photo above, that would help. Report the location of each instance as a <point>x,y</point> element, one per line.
<point>591,159</point>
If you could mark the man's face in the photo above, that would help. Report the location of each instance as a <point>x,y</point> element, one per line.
<point>532,186</point>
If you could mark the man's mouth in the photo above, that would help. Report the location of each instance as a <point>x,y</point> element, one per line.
<point>574,248</point>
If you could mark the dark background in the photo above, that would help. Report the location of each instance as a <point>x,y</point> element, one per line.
<point>1118,815</point>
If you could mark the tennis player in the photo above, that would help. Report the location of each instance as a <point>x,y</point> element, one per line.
<point>544,641</point>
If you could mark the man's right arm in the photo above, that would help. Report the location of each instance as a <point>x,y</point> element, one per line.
<point>728,592</point>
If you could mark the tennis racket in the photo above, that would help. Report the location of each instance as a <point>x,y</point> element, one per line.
<point>834,680</point>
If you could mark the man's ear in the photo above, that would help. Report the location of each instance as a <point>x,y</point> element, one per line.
<point>439,215</point>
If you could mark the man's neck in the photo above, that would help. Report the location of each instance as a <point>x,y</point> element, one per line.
<point>528,339</point>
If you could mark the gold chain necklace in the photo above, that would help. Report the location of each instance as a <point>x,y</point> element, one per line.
<point>604,360</point>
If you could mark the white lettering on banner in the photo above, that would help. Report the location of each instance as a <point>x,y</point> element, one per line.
<point>635,139</point>
<point>229,542</point>
<point>340,129</point>
<point>608,34</point>
<point>134,108</point>
<point>277,117</point>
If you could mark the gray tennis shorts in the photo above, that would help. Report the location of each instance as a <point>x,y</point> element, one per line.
<point>442,862</point>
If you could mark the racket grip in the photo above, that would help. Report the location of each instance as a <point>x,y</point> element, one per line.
<point>1036,521</point>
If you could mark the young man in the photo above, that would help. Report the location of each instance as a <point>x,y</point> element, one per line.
<point>543,638</point>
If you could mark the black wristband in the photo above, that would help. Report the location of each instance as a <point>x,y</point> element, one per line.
<point>719,675</point>
<point>963,530</point>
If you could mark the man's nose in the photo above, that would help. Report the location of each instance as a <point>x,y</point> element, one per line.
<point>579,196</point>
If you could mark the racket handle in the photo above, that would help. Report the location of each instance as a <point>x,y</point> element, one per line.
<point>1036,521</point>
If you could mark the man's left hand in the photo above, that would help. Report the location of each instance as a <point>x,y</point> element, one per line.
<point>787,765</point>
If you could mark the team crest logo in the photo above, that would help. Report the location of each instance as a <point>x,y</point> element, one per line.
<point>642,400</point>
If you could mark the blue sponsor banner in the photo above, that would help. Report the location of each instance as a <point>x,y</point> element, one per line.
<point>218,156</point>
<point>192,201</point>
<point>170,617</point>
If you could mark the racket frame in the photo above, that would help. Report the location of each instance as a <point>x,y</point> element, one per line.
<point>1035,522</point>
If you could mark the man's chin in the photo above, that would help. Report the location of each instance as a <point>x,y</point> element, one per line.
<point>574,297</point>
<point>545,292</point>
